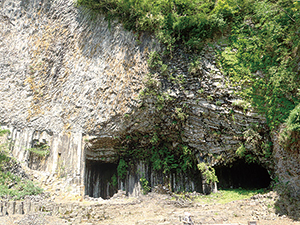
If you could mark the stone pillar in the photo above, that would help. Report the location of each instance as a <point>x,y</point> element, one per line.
<point>27,206</point>
<point>11,205</point>
<point>1,208</point>
<point>19,208</point>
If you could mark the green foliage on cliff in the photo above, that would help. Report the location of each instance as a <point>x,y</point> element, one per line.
<point>176,21</point>
<point>263,58</point>
<point>11,184</point>
<point>289,137</point>
<point>3,132</point>
<point>122,169</point>
<point>263,44</point>
<point>41,150</point>
<point>293,121</point>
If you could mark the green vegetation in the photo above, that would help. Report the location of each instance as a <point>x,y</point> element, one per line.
<point>10,184</point>
<point>260,56</point>
<point>228,195</point>
<point>114,181</point>
<point>293,121</point>
<point>122,169</point>
<point>290,135</point>
<point>3,132</point>
<point>145,185</point>
<point>173,22</point>
<point>262,37</point>
<point>41,150</point>
<point>18,188</point>
<point>208,173</point>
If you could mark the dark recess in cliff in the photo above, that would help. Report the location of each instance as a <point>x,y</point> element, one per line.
<point>98,179</point>
<point>244,175</point>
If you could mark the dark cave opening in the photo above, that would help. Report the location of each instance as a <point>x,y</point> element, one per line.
<point>240,174</point>
<point>98,179</point>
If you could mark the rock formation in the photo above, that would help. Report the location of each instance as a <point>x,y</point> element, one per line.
<point>75,84</point>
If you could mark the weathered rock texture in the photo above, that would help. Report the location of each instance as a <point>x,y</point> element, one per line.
<point>151,209</point>
<point>71,81</point>
<point>287,170</point>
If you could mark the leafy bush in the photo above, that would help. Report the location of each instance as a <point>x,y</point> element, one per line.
<point>208,172</point>
<point>14,186</point>
<point>4,131</point>
<point>39,151</point>
<point>11,184</point>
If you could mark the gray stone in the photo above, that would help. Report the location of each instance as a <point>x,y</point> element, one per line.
<point>11,205</point>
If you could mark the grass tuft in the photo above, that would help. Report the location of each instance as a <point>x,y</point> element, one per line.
<point>228,195</point>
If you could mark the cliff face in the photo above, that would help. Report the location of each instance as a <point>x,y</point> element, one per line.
<point>72,81</point>
<point>287,170</point>
<point>64,71</point>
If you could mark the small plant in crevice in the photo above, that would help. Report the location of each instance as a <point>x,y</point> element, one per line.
<point>41,150</point>
<point>210,98</point>
<point>218,103</point>
<point>241,104</point>
<point>195,67</point>
<point>145,185</point>
<point>154,60</point>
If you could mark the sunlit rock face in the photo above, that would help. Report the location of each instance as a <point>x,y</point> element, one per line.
<point>61,70</point>
<point>71,81</point>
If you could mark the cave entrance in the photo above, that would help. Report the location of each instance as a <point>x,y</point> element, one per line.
<point>98,179</point>
<point>242,174</point>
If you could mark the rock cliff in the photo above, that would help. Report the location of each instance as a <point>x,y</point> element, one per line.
<point>82,86</point>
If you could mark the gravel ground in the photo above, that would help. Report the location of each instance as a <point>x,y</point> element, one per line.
<point>160,209</point>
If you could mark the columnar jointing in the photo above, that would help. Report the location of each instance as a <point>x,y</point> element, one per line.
<point>244,175</point>
<point>98,179</point>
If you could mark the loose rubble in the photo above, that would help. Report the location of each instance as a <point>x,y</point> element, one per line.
<point>153,209</point>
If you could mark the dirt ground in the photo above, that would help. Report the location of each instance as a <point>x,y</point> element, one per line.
<point>161,209</point>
